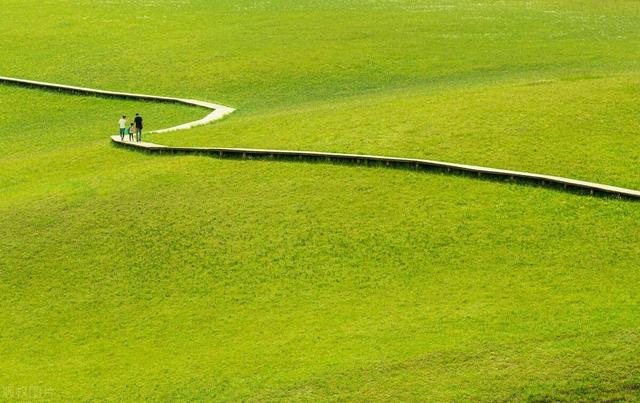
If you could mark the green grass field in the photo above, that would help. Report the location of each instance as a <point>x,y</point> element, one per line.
<point>128,277</point>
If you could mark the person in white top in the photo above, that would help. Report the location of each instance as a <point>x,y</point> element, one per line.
<point>123,125</point>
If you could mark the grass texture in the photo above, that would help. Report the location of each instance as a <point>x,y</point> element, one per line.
<point>128,277</point>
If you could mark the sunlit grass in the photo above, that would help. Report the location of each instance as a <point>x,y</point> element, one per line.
<point>126,276</point>
<point>577,128</point>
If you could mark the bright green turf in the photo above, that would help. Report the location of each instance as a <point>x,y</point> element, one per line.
<point>585,128</point>
<point>126,276</point>
<point>252,54</point>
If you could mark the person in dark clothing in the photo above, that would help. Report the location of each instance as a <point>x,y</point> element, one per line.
<point>138,122</point>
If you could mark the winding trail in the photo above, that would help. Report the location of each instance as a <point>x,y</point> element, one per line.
<point>219,111</point>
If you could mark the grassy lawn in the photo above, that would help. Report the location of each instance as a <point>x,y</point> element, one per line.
<point>126,276</point>
<point>579,128</point>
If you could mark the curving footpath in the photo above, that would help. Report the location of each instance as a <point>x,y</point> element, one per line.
<point>219,111</point>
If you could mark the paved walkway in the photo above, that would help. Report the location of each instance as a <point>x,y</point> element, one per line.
<point>219,111</point>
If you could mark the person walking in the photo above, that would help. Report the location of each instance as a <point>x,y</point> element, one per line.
<point>123,125</point>
<point>131,130</point>
<point>138,122</point>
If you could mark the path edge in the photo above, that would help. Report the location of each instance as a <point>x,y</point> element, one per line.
<point>220,111</point>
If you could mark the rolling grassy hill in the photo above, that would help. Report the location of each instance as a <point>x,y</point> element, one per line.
<point>125,276</point>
